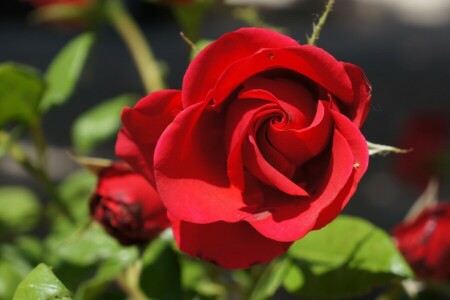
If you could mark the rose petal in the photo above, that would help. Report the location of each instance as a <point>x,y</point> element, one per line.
<point>228,245</point>
<point>298,146</point>
<point>210,63</point>
<point>312,62</point>
<point>261,169</point>
<point>240,116</point>
<point>358,109</point>
<point>243,117</point>
<point>292,96</point>
<point>290,218</point>
<point>142,127</point>
<point>360,151</point>
<point>191,169</point>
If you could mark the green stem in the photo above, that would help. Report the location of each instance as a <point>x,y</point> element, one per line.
<point>317,27</point>
<point>129,281</point>
<point>41,146</point>
<point>20,156</point>
<point>138,46</point>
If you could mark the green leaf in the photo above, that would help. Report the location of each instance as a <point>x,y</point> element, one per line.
<point>20,209</point>
<point>75,192</point>
<point>107,272</point>
<point>21,89</point>
<point>42,284</point>
<point>161,277</point>
<point>65,70</point>
<point>271,279</point>
<point>10,278</point>
<point>197,282</point>
<point>100,122</point>
<point>350,256</point>
<point>13,255</point>
<point>83,246</point>
<point>30,247</point>
<point>13,269</point>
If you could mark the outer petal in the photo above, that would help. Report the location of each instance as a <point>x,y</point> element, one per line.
<point>290,218</point>
<point>209,64</point>
<point>142,127</point>
<point>358,109</point>
<point>228,245</point>
<point>312,62</point>
<point>358,145</point>
<point>191,169</point>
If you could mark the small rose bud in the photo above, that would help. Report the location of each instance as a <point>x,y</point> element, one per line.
<point>425,242</point>
<point>127,205</point>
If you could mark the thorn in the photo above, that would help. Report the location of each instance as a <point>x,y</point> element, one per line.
<point>189,42</point>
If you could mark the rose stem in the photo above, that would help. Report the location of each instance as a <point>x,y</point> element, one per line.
<point>20,156</point>
<point>128,281</point>
<point>138,46</point>
<point>317,27</point>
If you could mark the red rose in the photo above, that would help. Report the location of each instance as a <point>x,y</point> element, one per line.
<point>127,206</point>
<point>260,147</point>
<point>425,242</point>
<point>428,135</point>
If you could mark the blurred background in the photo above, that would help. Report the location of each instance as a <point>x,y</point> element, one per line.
<point>403,46</point>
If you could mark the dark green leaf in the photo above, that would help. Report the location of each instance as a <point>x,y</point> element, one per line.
<point>20,209</point>
<point>349,256</point>
<point>100,123</point>
<point>42,284</point>
<point>271,279</point>
<point>161,271</point>
<point>21,89</point>
<point>65,70</point>
<point>197,282</point>
<point>107,272</point>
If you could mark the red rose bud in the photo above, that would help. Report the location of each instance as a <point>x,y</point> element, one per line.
<point>425,242</point>
<point>261,145</point>
<point>428,135</point>
<point>127,205</point>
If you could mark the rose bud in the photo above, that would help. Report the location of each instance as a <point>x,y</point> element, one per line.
<point>127,205</point>
<point>261,145</point>
<point>425,242</point>
<point>428,135</point>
